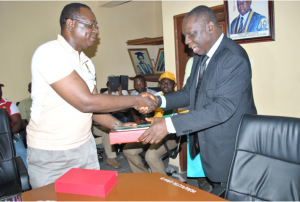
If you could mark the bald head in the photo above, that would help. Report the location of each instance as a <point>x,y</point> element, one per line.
<point>205,13</point>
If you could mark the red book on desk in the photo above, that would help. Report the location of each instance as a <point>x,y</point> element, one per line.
<point>86,182</point>
<point>128,135</point>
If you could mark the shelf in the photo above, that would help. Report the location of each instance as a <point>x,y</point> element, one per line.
<point>146,41</point>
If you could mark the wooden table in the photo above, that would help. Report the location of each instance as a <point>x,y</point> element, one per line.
<point>131,187</point>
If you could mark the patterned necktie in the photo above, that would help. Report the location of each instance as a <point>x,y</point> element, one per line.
<point>193,138</point>
<point>241,26</point>
<point>201,72</point>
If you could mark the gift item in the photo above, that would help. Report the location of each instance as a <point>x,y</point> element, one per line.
<point>86,182</point>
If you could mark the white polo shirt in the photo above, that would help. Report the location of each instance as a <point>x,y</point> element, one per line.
<point>55,124</point>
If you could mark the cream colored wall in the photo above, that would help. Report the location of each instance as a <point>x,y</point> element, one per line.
<point>276,64</point>
<point>26,25</point>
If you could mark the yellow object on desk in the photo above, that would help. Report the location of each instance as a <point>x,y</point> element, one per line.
<point>182,110</point>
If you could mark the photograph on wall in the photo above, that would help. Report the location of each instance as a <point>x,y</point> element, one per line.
<point>141,61</point>
<point>160,62</point>
<point>249,20</point>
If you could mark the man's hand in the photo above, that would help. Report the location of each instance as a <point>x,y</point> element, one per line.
<point>156,132</point>
<point>109,90</point>
<point>128,124</point>
<point>146,94</point>
<point>120,90</point>
<point>145,110</point>
<point>140,120</point>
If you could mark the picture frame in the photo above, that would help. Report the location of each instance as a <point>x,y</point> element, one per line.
<point>258,25</point>
<point>160,62</point>
<point>141,61</point>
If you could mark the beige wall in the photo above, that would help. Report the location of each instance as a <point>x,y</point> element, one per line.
<point>276,65</point>
<point>28,24</point>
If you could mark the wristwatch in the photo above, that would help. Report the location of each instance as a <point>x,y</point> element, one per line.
<point>158,100</point>
<point>116,124</point>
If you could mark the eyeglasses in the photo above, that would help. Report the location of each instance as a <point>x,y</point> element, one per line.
<point>92,26</point>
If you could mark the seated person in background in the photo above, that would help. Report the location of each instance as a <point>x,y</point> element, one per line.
<point>154,151</point>
<point>16,126</point>
<point>108,148</point>
<point>119,92</point>
<point>122,114</point>
<point>140,85</point>
<point>103,131</point>
<point>24,108</point>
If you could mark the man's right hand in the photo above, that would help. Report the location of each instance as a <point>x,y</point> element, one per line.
<point>146,94</point>
<point>145,110</point>
<point>148,105</point>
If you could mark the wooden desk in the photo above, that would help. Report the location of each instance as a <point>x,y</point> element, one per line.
<point>131,187</point>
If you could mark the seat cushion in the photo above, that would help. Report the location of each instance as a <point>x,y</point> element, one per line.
<point>9,189</point>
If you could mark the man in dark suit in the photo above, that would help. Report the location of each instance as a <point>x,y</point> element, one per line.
<point>218,91</point>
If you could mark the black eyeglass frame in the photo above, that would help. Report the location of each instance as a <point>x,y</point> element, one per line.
<point>91,25</point>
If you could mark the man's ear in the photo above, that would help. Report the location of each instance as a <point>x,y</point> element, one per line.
<point>211,27</point>
<point>145,83</point>
<point>175,85</point>
<point>70,24</point>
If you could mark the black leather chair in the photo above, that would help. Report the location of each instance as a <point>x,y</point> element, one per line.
<point>266,162</point>
<point>13,174</point>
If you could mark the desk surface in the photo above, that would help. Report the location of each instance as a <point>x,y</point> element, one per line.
<point>131,187</point>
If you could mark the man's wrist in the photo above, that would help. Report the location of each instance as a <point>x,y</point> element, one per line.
<point>158,101</point>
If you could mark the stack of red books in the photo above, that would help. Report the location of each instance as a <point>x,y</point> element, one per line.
<point>86,182</point>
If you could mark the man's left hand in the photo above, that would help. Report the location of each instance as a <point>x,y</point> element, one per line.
<point>156,132</point>
<point>120,90</point>
<point>128,124</point>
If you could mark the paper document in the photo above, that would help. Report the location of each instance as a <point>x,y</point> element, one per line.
<point>123,128</point>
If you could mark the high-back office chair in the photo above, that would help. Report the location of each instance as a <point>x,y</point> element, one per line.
<point>13,173</point>
<point>266,162</point>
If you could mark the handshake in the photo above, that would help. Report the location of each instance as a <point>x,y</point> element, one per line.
<point>149,103</point>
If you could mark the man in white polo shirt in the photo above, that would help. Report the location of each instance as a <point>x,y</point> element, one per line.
<point>64,99</point>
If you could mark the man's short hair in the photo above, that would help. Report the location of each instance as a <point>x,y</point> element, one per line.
<point>71,10</point>
<point>205,12</point>
<point>140,77</point>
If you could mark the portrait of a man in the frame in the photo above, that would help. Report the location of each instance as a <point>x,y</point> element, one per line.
<point>248,20</point>
<point>143,67</point>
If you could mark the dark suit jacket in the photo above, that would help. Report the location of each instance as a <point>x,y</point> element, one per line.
<point>224,96</point>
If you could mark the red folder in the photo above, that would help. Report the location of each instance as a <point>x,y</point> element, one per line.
<point>86,182</point>
<point>128,136</point>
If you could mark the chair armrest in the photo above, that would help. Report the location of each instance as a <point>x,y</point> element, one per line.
<point>22,173</point>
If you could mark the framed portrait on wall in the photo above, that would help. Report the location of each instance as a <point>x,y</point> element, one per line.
<point>249,21</point>
<point>141,61</point>
<point>160,62</point>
